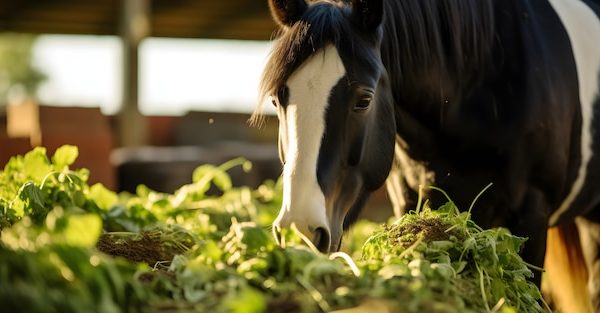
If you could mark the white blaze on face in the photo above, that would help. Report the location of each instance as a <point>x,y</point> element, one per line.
<point>583,28</point>
<point>309,89</point>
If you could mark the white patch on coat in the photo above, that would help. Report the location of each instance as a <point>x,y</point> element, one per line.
<point>309,90</point>
<point>583,28</point>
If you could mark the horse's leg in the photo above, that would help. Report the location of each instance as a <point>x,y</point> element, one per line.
<point>395,185</point>
<point>573,265</point>
<point>566,274</point>
<point>406,179</point>
<point>589,236</point>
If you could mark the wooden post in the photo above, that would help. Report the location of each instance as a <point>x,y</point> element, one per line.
<point>135,26</point>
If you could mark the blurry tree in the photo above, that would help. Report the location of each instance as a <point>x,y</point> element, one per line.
<point>18,77</point>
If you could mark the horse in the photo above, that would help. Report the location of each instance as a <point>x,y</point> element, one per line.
<point>451,93</point>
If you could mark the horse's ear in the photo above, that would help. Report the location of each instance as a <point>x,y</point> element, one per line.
<point>367,14</point>
<point>287,12</point>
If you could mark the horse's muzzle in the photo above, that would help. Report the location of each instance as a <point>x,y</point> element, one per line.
<point>319,236</point>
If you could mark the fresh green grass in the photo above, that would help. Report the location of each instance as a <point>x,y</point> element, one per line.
<point>70,247</point>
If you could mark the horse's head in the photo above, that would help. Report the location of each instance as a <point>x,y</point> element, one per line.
<point>336,120</point>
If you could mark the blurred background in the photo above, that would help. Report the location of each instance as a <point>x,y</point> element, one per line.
<point>147,89</point>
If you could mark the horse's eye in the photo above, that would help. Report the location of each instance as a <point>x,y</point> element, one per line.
<point>362,104</point>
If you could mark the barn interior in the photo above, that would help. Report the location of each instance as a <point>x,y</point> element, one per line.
<point>128,148</point>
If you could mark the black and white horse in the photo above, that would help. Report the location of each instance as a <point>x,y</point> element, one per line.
<point>454,93</point>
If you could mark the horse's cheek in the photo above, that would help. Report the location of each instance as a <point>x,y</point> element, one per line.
<point>379,153</point>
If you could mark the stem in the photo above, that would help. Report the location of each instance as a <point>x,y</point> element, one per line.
<point>445,195</point>
<point>348,260</point>
<point>482,287</point>
<point>420,198</point>
<point>478,195</point>
<point>314,293</point>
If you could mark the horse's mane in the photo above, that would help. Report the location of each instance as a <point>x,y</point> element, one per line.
<point>455,33</point>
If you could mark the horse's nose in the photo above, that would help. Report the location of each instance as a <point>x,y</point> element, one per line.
<point>319,235</point>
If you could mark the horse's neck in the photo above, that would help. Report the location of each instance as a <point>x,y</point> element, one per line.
<point>426,85</point>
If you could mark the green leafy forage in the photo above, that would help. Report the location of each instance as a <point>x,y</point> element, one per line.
<point>69,247</point>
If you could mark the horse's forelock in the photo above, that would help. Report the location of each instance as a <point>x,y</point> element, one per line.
<point>324,23</point>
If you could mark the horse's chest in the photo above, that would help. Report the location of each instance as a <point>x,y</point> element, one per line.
<point>461,173</point>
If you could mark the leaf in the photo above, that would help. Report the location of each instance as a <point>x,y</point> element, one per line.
<point>254,265</point>
<point>65,156</point>
<point>18,207</point>
<point>104,198</point>
<point>32,193</point>
<point>83,230</point>
<point>444,269</point>
<point>459,266</point>
<point>256,238</point>
<point>321,267</point>
<point>393,270</point>
<point>34,200</point>
<point>193,294</point>
<point>212,251</point>
<point>248,300</point>
<point>36,165</point>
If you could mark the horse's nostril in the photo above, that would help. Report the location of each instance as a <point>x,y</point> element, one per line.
<point>322,239</point>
